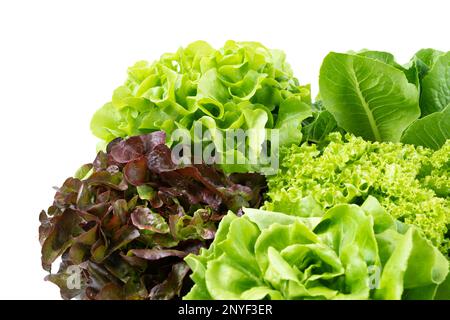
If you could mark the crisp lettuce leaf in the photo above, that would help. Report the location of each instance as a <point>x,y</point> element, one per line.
<point>349,169</point>
<point>372,96</point>
<point>430,131</point>
<point>243,85</point>
<point>435,95</point>
<point>367,97</point>
<point>272,255</point>
<point>317,130</point>
<point>427,57</point>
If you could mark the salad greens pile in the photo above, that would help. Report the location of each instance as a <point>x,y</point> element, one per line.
<point>356,205</point>
<point>350,252</point>
<point>243,85</point>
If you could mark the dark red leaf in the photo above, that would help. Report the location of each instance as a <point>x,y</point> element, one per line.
<point>118,267</point>
<point>88,237</point>
<point>122,237</point>
<point>145,219</point>
<point>112,143</point>
<point>84,198</point>
<point>127,150</point>
<point>170,287</point>
<point>156,254</point>
<point>67,195</point>
<point>153,139</point>
<point>78,253</point>
<point>111,223</point>
<point>101,161</point>
<point>45,228</point>
<point>98,250</point>
<point>160,159</point>
<point>136,171</point>
<point>104,178</point>
<point>103,197</point>
<point>135,288</point>
<point>64,228</point>
<point>110,291</point>
<point>120,209</point>
<point>140,263</point>
<point>99,210</point>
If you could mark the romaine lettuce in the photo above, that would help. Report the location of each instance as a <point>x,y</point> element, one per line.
<point>372,96</point>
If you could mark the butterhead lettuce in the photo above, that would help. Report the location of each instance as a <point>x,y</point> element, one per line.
<point>243,85</point>
<point>350,252</point>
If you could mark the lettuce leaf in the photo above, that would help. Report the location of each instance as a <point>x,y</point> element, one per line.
<point>430,131</point>
<point>367,97</point>
<point>370,95</point>
<point>127,220</point>
<point>435,94</point>
<point>271,255</point>
<point>349,169</point>
<point>243,85</point>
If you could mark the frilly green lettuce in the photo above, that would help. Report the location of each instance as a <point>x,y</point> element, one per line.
<point>411,183</point>
<point>350,252</point>
<point>243,85</point>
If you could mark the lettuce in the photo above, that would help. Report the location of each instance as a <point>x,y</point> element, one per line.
<point>367,97</point>
<point>351,252</point>
<point>372,96</point>
<point>243,85</point>
<point>411,183</point>
<point>431,131</point>
<point>127,220</point>
<point>436,85</point>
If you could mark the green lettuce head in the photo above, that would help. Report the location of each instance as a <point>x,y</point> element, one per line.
<point>243,85</point>
<point>350,252</point>
<point>411,183</point>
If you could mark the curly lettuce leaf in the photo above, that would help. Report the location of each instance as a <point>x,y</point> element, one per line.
<point>243,85</point>
<point>349,170</point>
<point>438,171</point>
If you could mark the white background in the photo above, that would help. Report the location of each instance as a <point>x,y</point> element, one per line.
<point>60,61</point>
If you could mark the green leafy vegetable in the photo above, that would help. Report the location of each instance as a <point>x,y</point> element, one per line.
<point>427,58</point>
<point>360,208</point>
<point>243,85</point>
<point>316,128</point>
<point>411,183</point>
<point>367,97</point>
<point>372,96</point>
<point>435,94</point>
<point>431,131</point>
<point>350,253</point>
<point>421,63</point>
